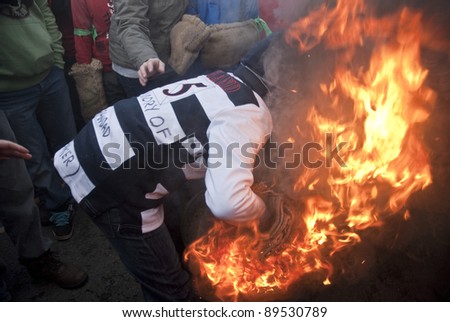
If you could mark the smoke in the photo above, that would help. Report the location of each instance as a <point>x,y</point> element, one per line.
<point>285,12</point>
<point>295,77</point>
<point>294,80</point>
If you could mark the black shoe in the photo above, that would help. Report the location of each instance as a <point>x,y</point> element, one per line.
<point>47,267</point>
<point>63,223</point>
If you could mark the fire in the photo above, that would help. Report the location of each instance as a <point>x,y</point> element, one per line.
<point>384,160</point>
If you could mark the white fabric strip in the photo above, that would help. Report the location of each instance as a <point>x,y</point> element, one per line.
<point>111,140</point>
<point>161,119</point>
<point>70,170</point>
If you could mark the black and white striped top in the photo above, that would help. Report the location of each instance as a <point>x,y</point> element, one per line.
<point>133,153</point>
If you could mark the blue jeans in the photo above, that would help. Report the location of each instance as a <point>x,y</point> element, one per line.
<point>151,258</point>
<point>42,120</point>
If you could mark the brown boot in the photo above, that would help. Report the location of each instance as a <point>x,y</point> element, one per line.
<point>48,268</point>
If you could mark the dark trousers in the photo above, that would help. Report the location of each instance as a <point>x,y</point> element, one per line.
<point>18,211</point>
<point>150,257</point>
<point>42,119</point>
<point>113,90</point>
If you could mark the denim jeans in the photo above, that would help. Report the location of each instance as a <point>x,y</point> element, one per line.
<point>151,258</point>
<point>42,120</point>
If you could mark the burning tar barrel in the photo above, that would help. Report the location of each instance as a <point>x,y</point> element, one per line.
<point>231,262</point>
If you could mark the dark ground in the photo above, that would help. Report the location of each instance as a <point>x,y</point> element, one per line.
<point>89,250</point>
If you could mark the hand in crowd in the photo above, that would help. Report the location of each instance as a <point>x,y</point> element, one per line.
<point>151,67</point>
<point>10,150</point>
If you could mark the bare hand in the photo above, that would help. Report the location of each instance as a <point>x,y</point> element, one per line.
<point>10,150</point>
<point>151,67</point>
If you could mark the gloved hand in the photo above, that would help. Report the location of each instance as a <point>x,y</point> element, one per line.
<point>279,224</point>
<point>187,38</point>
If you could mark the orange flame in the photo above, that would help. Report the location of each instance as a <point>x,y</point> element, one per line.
<point>384,161</point>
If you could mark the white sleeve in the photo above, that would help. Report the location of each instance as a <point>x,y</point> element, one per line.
<point>235,137</point>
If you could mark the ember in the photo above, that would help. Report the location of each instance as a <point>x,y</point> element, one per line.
<point>376,110</point>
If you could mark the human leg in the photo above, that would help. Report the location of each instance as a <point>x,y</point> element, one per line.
<point>41,118</point>
<point>55,110</point>
<point>113,90</point>
<point>20,216</point>
<point>18,212</point>
<point>20,109</point>
<point>151,258</point>
<point>74,98</point>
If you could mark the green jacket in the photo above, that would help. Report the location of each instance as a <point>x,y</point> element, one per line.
<point>30,45</point>
<point>140,29</point>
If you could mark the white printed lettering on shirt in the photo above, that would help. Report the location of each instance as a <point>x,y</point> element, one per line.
<point>161,120</point>
<point>72,172</point>
<point>111,139</point>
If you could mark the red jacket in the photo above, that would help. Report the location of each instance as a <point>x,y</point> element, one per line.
<point>91,20</point>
